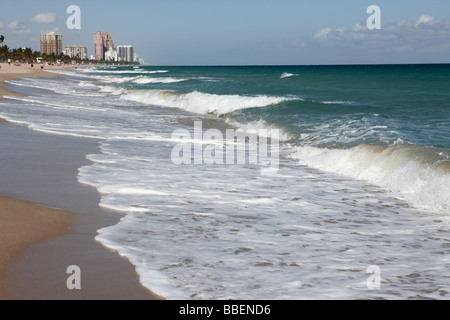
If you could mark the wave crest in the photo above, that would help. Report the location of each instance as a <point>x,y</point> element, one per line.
<point>203,103</point>
<point>421,175</point>
<point>288,75</point>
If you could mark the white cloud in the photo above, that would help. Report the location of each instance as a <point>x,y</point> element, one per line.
<point>426,19</point>
<point>425,33</point>
<point>14,24</point>
<point>322,34</point>
<point>44,18</point>
<point>17,28</point>
<point>55,30</point>
<point>359,27</point>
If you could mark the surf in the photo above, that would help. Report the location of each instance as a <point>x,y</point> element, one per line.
<point>288,75</point>
<point>420,175</point>
<point>203,103</point>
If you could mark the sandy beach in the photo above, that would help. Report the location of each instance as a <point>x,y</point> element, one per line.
<point>48,220</point>
<point>22,224</point>
<point>12,72</point>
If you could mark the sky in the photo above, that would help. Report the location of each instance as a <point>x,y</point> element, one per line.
<point>243,32</point>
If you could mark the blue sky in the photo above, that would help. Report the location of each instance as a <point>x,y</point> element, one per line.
<point>241,32</point>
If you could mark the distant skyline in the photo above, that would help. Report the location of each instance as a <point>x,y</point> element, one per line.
<point>242,32</point>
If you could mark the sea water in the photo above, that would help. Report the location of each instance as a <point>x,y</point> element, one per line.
<point>362,181</point>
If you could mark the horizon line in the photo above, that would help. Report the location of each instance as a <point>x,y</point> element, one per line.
<point>294,65</point>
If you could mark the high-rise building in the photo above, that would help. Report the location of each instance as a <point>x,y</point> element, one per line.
<point>76,52</point>
<point>125,53</point>
<point>51,43</point>
<point>102,43</point>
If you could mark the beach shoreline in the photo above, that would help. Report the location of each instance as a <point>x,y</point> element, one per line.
<point>13,73</point>
<point>49,220</point>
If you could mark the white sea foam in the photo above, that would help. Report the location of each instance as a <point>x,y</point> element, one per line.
<point>256,127</point>
<point>118,79</point>
<point>112,90</point>
<point>347,130</point>
<point>288,75</point>
<point>147,80</point>
<point>337,102</point>
<point>418,174</point>
<point>140,79</point>
<point>110,72</point>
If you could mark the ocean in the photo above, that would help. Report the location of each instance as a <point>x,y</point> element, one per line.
<point>354,206</point>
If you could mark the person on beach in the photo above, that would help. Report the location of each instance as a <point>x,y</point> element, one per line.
<point>9,62</point>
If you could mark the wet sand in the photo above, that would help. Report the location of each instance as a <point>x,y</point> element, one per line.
<point>22,224</point>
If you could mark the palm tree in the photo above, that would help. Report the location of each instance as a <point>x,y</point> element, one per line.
<point>4,52</point>
<point>28,54</point>
<point>2,39</point>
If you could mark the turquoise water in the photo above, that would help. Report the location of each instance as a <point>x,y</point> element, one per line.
<point>362,178</point>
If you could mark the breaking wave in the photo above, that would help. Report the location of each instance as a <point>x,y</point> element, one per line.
<point>421,175</point>
<point>203,103</point>
<point>288,75</point>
